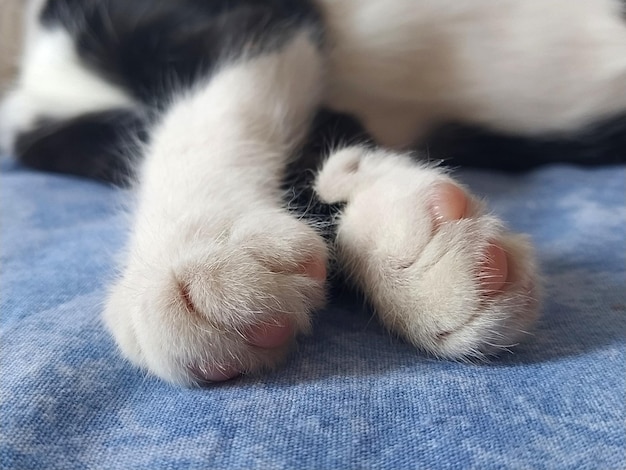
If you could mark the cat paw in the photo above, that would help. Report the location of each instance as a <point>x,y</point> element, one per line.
<point>438,268</point>
<point>214,300</point>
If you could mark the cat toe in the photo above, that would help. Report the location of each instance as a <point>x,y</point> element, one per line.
<point>449,203</point>
<point>493,270</point>
<point>270,335</point>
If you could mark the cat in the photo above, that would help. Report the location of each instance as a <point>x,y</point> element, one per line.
<point>223,115</point>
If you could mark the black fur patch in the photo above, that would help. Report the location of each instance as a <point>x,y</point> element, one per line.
<point>153,48</point>
<point>462,145</point>
<point>100,146</point>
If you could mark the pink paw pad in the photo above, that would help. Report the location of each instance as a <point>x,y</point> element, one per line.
<point>266,336</point>
<point>494,271</point>
<point>270,335</point>
<point>449,203</point>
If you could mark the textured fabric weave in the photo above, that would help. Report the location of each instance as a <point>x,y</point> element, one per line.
<point>351,396</point>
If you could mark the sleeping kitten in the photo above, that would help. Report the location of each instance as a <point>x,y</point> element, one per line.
<point>211,107</point>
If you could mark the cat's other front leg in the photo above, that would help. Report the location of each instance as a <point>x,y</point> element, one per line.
<point>218,277</point>
<point>438,268</point>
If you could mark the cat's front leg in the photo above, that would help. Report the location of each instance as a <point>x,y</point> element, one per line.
<point>437,267</point>
<point>219,278</point>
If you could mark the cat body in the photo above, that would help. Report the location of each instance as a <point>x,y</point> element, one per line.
<point>206,106</point>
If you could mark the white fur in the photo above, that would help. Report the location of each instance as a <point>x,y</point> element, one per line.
<point>529,66</point>
<point>210,220</point>
<point>53,83</point>
<point>422,278</point>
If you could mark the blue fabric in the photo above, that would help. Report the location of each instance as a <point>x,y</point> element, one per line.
<point>351,396</point>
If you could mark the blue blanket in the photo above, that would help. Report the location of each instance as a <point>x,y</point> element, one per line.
<point>351,396</point>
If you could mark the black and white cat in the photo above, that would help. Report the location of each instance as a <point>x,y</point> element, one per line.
<point>209,106</point>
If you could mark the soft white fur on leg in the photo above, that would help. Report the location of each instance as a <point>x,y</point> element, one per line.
<point>422,276</point>
<point>212,252</point>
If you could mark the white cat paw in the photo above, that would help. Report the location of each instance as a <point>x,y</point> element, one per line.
<point>218,298</point>
<point>438,269</point>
